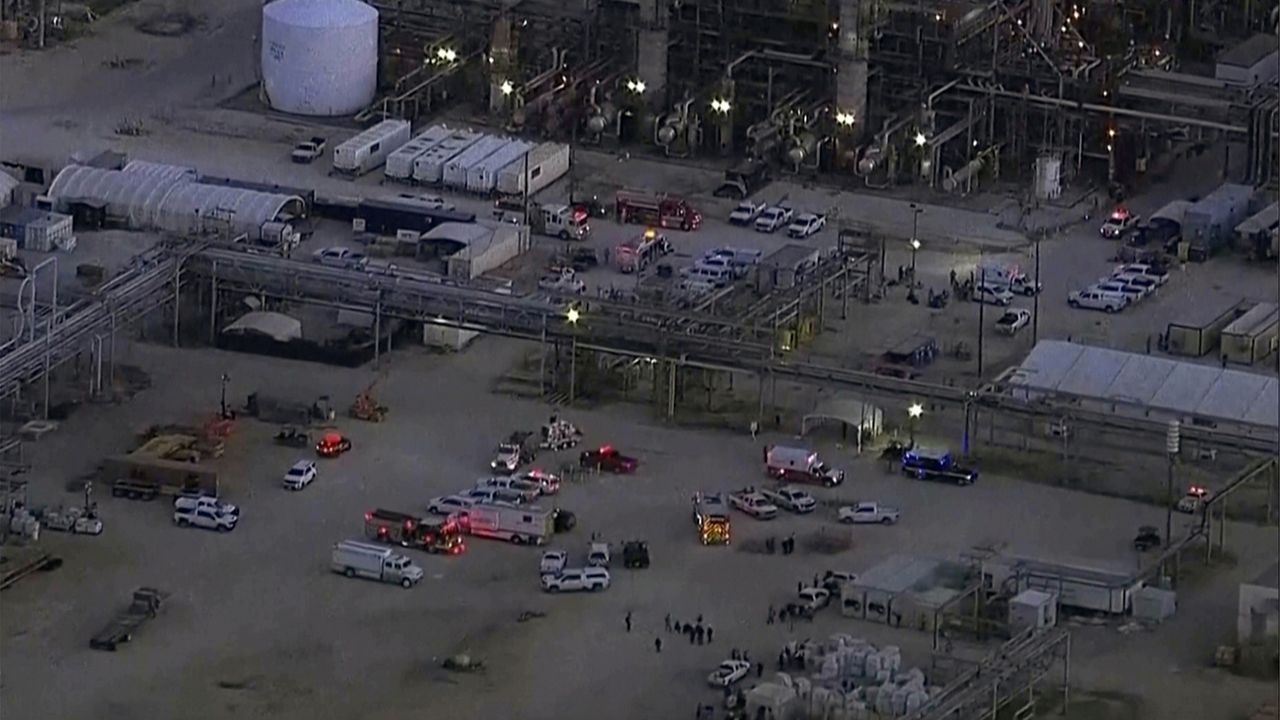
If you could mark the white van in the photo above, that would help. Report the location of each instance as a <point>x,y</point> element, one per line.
<point>719,276</point>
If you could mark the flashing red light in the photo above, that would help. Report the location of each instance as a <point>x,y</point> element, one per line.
<point>332,438</point>
<point>408,524</point>
<point>382,530</point>
<point>1120,213</point>
<point>606,449</point>
<point>368,516</point>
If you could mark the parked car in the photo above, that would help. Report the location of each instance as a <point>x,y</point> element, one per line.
<point>806,224</point>
<point>492,496</point>
<point>593,579</point>
<point>1111,285</point>
<point>774,218</point>
<point>1012,321</point>
<point>608,459</point>
<point>449,504</point>
<point>833,580</point>
<point>205,518</point>
<point>729,673</point>
<point>1148,538</point>
<point>1146,283</point>
<point>1195,499</point>
<point>300,475</point>
<point>791,498</point>
<point>1093,299</point>
<point>746,212</point>
<point>529,491</point>
<point>814,598</point>
<point>992,294</point>
<point>869,512</point>
<point>1160,275</point>
<point>207,503</point>
<point>598,555</point>
<point>549,483</point>
<point>552,562</point>
<point>339,256</point>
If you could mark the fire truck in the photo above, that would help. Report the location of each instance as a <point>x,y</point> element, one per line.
<point>661,210</point>
<point>711,515</point>
<point>634,255</point>
<point>432,535</point>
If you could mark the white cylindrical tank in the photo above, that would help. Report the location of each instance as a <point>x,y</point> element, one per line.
<point>319,57</point>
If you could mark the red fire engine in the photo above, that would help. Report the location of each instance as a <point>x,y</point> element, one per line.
<point>437,536</point>
<point>667,211</point>
<point>634,255</point>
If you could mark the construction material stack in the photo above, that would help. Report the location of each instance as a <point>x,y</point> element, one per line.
<point>558,434</point>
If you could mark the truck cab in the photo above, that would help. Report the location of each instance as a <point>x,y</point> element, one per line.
<point>518,449</point>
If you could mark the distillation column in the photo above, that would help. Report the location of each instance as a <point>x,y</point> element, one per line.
<point>501,62</point>
<point>855,25</point>
<point>651,49</point>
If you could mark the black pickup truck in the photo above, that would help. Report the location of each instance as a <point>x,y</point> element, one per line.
<point>924,464</point>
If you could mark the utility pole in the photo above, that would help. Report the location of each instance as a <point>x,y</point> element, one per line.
<point>982,315</point>
<point>1035,298</point>
<point>1172,444</point>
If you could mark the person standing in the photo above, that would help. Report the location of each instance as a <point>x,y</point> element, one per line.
<point>755,429</point>
<point>710,632</point>
<point>657,645</point>
<point>666,622</point>
<point>627,620</point>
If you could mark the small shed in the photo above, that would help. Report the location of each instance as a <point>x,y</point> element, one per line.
<point>865,419</point>
<point>786,267</point>
<point>1251,63</point>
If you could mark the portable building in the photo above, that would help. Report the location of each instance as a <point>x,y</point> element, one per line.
<point>449,338</point>
<point>37,230</point>
<point>400,163</point>
<point>1083,586</point>
<point>369,149</point>
<point>483,248</point>
<point>1252,336</point>
<point>1251,63</point>
<point>387,217</point>
<point>1198,335</point>
<point>428,168</point>
<point>1033,609</point>
<point>482,177</point>
<point>545,164</point>
<point>1209,224</point>
<point>455,171</point>
<point>786,267</point>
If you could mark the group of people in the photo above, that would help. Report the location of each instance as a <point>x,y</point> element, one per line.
<point>788,544</point>
<point>696,631</point>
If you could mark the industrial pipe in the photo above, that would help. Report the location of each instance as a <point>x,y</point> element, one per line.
<point>1093,107</point>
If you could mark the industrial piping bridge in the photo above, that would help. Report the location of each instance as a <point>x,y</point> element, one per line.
<point>680,339</point>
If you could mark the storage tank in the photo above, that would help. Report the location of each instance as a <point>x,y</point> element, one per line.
<point>319,57</point>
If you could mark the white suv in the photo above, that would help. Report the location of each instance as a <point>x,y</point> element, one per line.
<point>591,578</point>
<point>529,491</point>
<point>300,475</point>
<point>205,518</point>
<point>204,502</point>
<point>1093,299</point>
<point>992,294</point>
<point>449,504</point>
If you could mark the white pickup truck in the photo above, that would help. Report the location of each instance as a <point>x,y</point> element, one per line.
<point>746,212</point>
<point>203,517</point>
<point>869,512</point>
<point>791,498</point>
<point>753,503</point>
<point>308,150</point>
<point>774,218</point>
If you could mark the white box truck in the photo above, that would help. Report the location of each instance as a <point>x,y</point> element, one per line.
<point>369,149</point>
<point>522,525</point>
<point>428,168</point>
<point>547,163</point>
<point>355,558</point>
<point>482,178</point>
<point>455,171</point>
<point>400,163</point>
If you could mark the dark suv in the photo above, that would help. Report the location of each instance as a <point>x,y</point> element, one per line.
<point>925,464</point>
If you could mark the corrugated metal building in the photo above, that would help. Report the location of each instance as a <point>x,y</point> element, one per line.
<point>152,196</point>
<point>1145,386</point>
<point>36,229</point>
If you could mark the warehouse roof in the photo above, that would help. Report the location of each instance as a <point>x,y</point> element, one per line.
<point>168,197</point>
<point>1149,382</point>
<point>1250,52</point>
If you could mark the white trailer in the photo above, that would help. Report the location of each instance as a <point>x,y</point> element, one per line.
<point>522,525</point>
<point>455,171</point>
<point>1092,586</point>
<point>369,149</point>
<point>400,163</point>
<point>355,558</point>
<point>547,163</point>
<point>482,178</point>
<point>428,168</point>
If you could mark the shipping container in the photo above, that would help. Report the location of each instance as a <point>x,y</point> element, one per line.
<point>369,149</point>
<point>1255,234</point>
<point>547,163</point>
<point>400,163</point>
<point>1199,335</point>
<point>1252,336</point>
<point>1208,225</point>
<point>482,178</point>
<point>1092,587</point>
<point>455,171</point>
<point>386,217</point>
<point>428,168</point>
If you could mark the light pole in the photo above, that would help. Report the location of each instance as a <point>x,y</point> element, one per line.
<point>914,411</point>
<point>915,237</point>
<point>573,316</point>
<point>225,379</point>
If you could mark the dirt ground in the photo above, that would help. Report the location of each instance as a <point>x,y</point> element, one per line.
<point>258,626</point>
